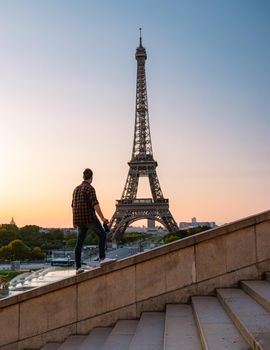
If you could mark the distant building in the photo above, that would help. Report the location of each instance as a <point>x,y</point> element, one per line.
<point>65,230</point>
<point>150,224</point>
<point>70,230</point>
<point>12,222</point>
<point>195,223</point>
<point>157,230</point>
<point>140,229</point>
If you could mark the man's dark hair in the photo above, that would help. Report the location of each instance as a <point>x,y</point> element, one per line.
<point>87,174</point>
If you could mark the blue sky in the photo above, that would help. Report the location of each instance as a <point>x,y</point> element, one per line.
<point>67,89</point>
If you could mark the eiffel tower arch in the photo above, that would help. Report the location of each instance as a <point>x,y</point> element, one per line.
<point>142,164</point>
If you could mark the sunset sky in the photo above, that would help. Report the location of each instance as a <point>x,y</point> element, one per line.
<point>67,102</point>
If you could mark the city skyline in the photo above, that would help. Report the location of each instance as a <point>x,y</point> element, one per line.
<point>68,76</point>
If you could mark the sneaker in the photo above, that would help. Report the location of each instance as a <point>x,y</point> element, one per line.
<point>106,261</point>
<point>79,270</point>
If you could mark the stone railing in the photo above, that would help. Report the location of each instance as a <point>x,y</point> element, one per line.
<point>147,281</point>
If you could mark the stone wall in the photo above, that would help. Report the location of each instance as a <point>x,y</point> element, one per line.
<point>144,282</point>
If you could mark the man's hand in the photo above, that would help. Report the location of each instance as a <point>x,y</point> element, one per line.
<point>100,214</point>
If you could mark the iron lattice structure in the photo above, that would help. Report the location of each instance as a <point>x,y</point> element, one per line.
<point>130,208</point>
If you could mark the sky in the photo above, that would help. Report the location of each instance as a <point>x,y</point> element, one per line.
<point>67,102</point>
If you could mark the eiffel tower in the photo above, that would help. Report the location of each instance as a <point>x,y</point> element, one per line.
<point>130,208</point>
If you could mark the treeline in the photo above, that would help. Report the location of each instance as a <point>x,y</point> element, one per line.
<point>130,237</point>
<point>31,236</point>
<point>170,237</point>
<point>17,250</point>
<point>28,243</point>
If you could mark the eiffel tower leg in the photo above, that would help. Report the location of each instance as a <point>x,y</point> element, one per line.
<point>118,226</point>
<point>170,223</point>
<point>131,186</point>
<point>154,185</point>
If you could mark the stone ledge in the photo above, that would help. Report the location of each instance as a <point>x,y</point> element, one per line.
<point>139,258</point>
<point>197,264</point>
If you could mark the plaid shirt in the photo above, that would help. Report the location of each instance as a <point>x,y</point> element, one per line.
<point>83,201</point>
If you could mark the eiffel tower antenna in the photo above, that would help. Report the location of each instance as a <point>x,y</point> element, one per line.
<point>142,164</point>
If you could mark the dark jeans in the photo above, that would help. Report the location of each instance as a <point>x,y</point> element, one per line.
<point>96,227</point>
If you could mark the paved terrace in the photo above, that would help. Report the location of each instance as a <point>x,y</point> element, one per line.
<point>145,282</point>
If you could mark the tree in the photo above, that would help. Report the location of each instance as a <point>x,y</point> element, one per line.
<point>53,239</point>
<point>8,233</point>
<point>4,253</point>
<point>130,237</point>
<point>70,243</point>
<point>18,250</point>
<point>36,254</point>
<point>57,234</point>
<point>9,227</point>
<point>170,237</point>
<point>70,235</point>
<point>30,235</point>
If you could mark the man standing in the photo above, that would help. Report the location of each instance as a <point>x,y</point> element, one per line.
<point>84,207</point>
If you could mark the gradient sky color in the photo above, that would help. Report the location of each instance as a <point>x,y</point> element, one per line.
<point>67,101</point>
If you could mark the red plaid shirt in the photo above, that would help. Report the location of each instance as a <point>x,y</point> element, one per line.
<point>83,201</point>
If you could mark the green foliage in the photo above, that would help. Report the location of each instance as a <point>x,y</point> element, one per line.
<point>8,275</point>
<point>8,233</point>
<point>70,243</point>
<point>57,234</point>
<point>194,230</point>
<point>33,243</point>
<point>30,235</point>
<point>130,237</point>
<point>71,235</point>
<point>71,238</point>
<point>18,250</point>
<point>36,254</point>
<point>54,239</point>
<point>170,237</point>
<point>4,253</point>
<point>9,227</point>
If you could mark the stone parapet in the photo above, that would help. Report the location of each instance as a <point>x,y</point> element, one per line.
<point>144,282</point>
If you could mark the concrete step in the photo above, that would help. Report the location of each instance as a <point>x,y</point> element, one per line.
<point>258,290</point>
<point>96,339</point>
<point>51,346</point>
<point>217,331</point>
<point>121,335</point>
<point>72,342</point>
<point>252,320</point>
<point>149,332</point>
<point>267,276</point>
<point>180,329</point>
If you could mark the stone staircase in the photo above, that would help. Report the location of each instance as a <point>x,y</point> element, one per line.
<point>234,319</point>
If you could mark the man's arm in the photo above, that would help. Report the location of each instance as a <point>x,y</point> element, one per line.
<point>100,214</point>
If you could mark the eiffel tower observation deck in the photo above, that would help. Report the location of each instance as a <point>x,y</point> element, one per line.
<point>142,164</point>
